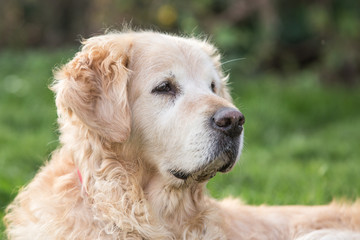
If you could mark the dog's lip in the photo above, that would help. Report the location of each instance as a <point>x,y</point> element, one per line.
<point>204,173</point>
<point>198,176</point>
<point>180,174</point>
<point>227,166</point>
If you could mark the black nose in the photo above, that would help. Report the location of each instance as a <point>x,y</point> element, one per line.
<point>229,121</point>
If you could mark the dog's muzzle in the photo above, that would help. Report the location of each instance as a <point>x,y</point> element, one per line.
<point>227,125</point>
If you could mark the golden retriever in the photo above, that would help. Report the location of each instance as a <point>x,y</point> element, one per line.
<point>146,119</point>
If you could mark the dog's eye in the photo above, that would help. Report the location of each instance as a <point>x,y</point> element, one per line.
<point>213,89</point>
<point>165,88</point>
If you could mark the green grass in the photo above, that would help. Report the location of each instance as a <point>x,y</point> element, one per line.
<point>301,138</point>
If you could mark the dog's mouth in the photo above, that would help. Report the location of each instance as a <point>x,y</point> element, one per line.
<point>222,159</point>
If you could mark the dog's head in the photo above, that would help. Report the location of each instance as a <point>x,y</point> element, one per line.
<point>164,96</point>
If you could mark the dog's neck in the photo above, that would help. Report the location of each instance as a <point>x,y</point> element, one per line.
<point>183,199</point>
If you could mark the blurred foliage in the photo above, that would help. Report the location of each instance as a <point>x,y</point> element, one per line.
<point>274,36</point>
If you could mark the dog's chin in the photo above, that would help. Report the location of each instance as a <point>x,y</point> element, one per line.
<point>219,161</point>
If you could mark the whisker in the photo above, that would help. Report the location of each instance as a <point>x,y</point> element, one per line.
<point>232,60</point>
<point>227,70</point>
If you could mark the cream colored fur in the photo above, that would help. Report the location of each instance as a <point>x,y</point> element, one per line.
<point>124,139</point>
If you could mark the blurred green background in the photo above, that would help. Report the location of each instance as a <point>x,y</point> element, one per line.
<point>297,84</point>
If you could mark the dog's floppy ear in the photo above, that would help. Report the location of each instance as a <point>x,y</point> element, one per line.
<point>93,87</point>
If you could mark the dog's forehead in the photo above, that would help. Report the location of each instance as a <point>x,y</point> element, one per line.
<point>184,58</point>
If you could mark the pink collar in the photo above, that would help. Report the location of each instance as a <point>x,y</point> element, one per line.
<point>79,175</point>
<point>81,181</point>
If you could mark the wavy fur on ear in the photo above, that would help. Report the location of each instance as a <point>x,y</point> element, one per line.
<point>90,85</point>
<point>88,90</point>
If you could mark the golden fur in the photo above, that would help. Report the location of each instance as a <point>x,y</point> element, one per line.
<point>123,139</point>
